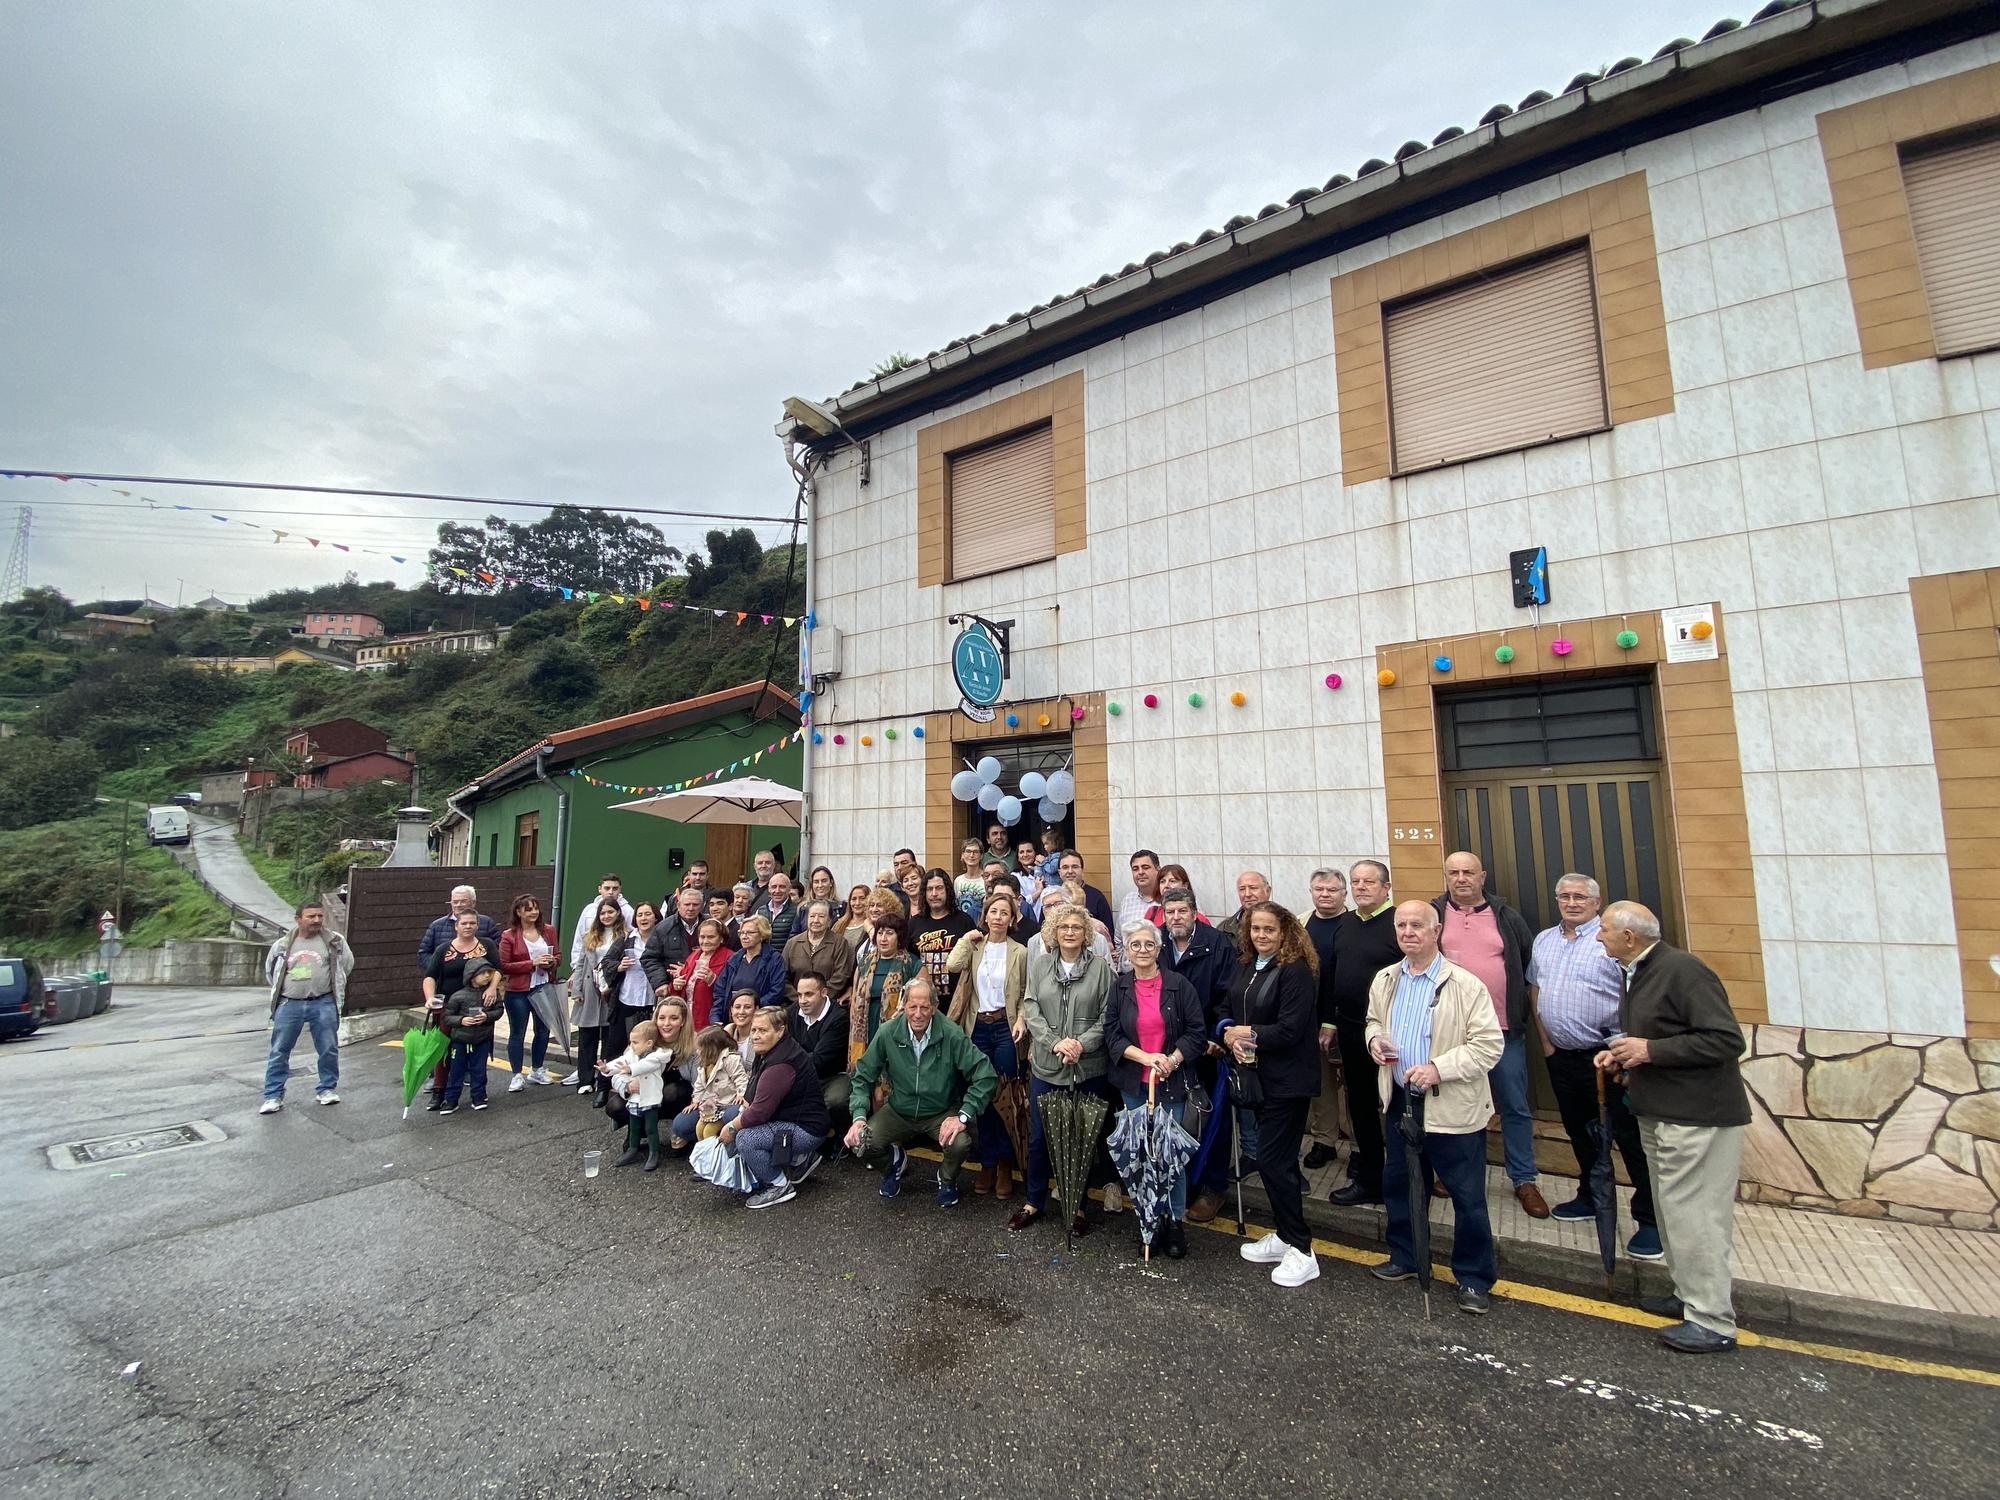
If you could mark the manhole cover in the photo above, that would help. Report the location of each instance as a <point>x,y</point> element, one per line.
<point>73,1154</point>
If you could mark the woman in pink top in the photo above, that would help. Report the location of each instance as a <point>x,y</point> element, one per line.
<point>1153,1032</point>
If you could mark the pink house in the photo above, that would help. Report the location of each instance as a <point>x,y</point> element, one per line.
<point>338,625</point>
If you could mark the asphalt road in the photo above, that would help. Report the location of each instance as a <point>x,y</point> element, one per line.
<point>223,866</point>
<point>334,1302</point>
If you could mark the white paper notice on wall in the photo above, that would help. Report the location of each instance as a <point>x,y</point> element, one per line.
<point>1689,633</point>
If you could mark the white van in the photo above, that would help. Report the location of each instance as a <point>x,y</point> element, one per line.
<point>167,825</point>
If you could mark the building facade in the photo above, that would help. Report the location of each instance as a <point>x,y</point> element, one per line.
<point>380,655</point>
<point>509,816</point>
<point>338,625</point>
<point>1610,486</point>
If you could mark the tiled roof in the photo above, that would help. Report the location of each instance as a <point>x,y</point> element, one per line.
<point>1584,89</point>
<point>570,744</point>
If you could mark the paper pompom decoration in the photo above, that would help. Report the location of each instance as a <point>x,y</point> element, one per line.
<point>1626,639</point>
<point>888,734</point>
<point>1701,630</point>
<point>1333,680</point>
<point>1441,663</point>
<point>1238,699</point>
<point>840,739</point>
<point>1114,708</point>
<point>1151,700</point>
<point>1385,678</point>
<point>1561,646</point>
<point>1503,654</point>
<point>1194,700</point>
<point>867,739</point>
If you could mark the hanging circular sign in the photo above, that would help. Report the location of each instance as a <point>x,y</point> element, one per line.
<point>977,668</point>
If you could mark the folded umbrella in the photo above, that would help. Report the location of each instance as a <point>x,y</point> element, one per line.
<point>1071,1120</point>
<point>1411,1128</point>
<point>546,1001</point>
<point>1603,1184</point>
<point>423,1047</point>
<point>1010,1103</point>
<point>1149,1148</point>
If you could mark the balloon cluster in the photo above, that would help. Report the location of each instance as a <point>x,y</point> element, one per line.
<point>1051,794</point>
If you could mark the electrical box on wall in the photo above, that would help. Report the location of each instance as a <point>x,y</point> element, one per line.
<point>1529,569</point>
<point>826,644</point>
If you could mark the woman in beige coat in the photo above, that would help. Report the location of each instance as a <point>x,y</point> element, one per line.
<point>990,974</point>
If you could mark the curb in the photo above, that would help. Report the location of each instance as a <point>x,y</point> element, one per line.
<point>1765,1306</point>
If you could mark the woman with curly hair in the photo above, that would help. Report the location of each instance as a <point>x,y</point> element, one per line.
<point>1272,1035</point>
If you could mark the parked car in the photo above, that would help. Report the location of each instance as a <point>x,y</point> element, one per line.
<point>21,996</point>
<point>167,825</point>
<point>187,799</point>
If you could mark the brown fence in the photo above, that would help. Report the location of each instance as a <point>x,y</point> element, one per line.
<point>388,910</point>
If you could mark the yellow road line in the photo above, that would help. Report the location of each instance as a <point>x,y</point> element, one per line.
<point>1617,1312</point>
<point>492,1062</point>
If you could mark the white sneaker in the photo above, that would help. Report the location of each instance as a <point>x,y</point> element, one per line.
<point>571,1081</point>
<point>327,1096</point>
<point>517,1083</point>
<point>1297,1268</point>
<point>1265,1252</point>
<point>539,1075</point>
<point>270,1106</point>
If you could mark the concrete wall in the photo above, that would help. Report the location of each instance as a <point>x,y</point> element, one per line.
<point>200,961</point>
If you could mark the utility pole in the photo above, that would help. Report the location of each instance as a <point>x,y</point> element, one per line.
<point>124,844</point>
<point>16,577</point>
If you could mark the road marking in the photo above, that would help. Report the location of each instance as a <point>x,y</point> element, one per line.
<point>133,1041</point>
<point>1664,1406</point>
<point>499,1065</point>
<point>1614,1312</point>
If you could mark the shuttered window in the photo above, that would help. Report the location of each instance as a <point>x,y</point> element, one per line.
<point>1497,363</point>
<point>1003,504</point>
<point>1954,194</point>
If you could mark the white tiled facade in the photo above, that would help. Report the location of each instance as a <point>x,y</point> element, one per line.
<point>1225,553</point>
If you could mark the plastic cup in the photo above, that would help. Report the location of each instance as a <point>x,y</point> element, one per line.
<point>592,1160</point>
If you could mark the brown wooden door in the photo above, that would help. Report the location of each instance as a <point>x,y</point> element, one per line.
<point>527,838</point>
<point>728,853</point>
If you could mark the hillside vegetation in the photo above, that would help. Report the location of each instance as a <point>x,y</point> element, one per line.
<point>131,718</point>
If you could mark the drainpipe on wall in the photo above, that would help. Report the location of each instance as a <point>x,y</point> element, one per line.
<point>451,805</point>
<point>562,836</point>
<point>805,674</point>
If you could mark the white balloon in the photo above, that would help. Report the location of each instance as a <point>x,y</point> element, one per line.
<point>1052,812</point>
<point>965,785</point>
<point>1062,787</point>
<point>1009,810</point>
<point>989,796</point>
<point>988,769</point>
<point>1033,785</point>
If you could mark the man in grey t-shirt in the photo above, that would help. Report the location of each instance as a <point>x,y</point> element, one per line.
<point>307,970</point>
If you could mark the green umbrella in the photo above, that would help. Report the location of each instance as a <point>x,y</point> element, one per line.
<point>1071,1120</point>
<point>422,1047</point>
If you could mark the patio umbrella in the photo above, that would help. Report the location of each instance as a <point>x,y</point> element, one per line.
<point>748,801</point>
<point>1149,1148</point>
<point>1071,1120</point>
<point>546,1001</point>
<point>1603,1184</point>
<point>423,1047</point>
<point>1411,1127</point>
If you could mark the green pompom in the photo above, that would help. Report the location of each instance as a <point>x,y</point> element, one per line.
<point>1194,700</point>
<point>1627,639</point>
<point>1503,654</point>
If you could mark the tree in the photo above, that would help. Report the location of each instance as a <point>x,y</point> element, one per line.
<point>571,547</point>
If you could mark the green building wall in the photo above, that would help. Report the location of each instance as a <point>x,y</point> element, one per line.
<point>633,844</point>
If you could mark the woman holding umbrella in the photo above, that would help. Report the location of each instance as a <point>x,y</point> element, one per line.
<point>1153,1032</point>
<point>1272,1034</point>
<point>1063,1008</point>
<point>989,976</point>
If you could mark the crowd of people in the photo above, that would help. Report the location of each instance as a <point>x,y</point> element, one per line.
<point>761,1031</point>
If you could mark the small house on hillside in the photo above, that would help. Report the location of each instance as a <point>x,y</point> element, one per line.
<point>301,656</point>
<point>113,625</point>
<point>338,625</point>
<point>508,817</point>
<point>340,753</point>
<point>381,654</point>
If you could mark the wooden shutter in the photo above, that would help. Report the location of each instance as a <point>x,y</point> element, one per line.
<point>1003,504</point>
<point>1496,363</point>
<point>1954,195</point>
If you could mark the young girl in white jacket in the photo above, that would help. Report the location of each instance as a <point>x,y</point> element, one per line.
<point>636,1075</point>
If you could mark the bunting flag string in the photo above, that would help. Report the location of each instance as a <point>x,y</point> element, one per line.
<point>743,763</point>
<point>277,535</point>
<point>643,601</point>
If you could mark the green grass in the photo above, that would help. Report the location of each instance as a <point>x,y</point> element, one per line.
<point>56,877</point>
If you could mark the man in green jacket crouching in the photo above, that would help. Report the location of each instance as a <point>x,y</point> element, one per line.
<point>939,1083</point>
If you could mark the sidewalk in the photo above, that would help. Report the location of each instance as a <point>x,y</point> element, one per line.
<point>1808,1273</point>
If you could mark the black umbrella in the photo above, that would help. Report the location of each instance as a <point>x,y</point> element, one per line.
<point>1412,1128</point>
<point>1603,1184</point>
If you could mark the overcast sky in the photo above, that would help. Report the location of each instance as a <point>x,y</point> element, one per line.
<point>583,252</point>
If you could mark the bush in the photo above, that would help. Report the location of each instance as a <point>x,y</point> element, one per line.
<point>44,780</point>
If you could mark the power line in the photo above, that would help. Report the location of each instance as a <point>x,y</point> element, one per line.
<point>300,511</point>
<point>335,489</point>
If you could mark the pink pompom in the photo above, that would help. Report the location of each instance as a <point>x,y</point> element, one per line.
<point>1151,700</point>
<point>1333,679</point>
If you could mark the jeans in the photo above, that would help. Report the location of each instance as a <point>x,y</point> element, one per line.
<point>1177,1194</point>
<point>1281,1127</point>
<point>770,1150</point>
<point>294,1016</point>
<point>1364,1107</point>
<point>519,1011</point>
<point>995,1040</point>
<point>686,1121</point>
<point>1460,1164</point>
<point>1574,1077</point>
<point>1509,1080</point>
<point>1038,1154</point>
<point>468,1061</point>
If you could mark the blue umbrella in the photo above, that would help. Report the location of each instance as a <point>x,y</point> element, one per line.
<point>1150,1149</point>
